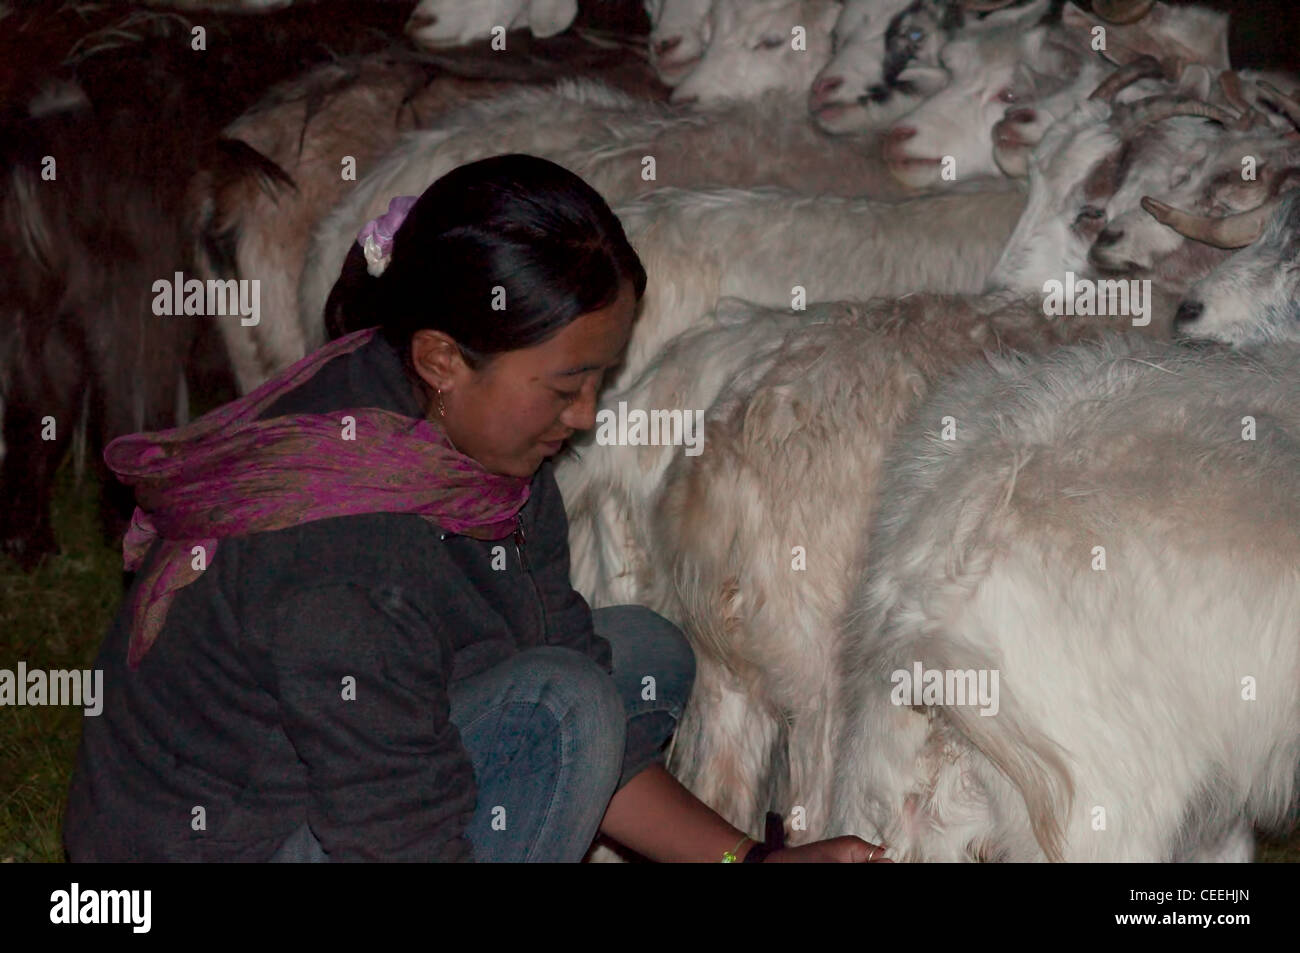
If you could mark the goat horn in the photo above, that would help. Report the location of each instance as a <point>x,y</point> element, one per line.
<point>984,6</point>
<point>1231,231</point>
<point>1144,67</point>
<point>1250,117</point>
<point>1122,11</point>
<point>1287,104</point>
<point>1144,112</point>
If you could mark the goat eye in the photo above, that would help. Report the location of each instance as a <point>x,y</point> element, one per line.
<point>916,36</point>
<point>1090,213</point>
<point>770,42</point>
<point>1008,95</point>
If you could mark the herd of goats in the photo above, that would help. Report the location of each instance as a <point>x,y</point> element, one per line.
<point>992,311</point>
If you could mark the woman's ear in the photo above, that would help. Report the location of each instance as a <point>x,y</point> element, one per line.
<point>437,360</point>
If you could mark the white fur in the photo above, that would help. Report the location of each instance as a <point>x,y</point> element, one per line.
<point>1121,690</point>
<point>762,244</point>
<point>752,49</point>
<point>681,29</point>
<point>441,23</point>
<point>857,68</point>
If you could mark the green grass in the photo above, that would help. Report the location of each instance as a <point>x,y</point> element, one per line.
<point>54,618</point>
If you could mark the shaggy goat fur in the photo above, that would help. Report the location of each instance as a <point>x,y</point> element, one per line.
<point>790,474</point>
<point>1103,533</point>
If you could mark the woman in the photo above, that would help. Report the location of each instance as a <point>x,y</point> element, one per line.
<point>353,635</point>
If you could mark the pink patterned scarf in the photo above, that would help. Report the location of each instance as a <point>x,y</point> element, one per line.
<point>229,474</point>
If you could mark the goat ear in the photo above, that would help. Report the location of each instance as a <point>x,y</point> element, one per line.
<point>1196,81</point>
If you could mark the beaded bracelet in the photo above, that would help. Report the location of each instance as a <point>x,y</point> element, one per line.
<point>775,840</point>
<point>729,856</point>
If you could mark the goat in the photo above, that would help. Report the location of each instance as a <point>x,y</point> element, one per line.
<point>765,244</point>
<point>608,138</point>
<point>1103,534</point>
<point>757,46</point>
<point>610,489</point>
<point>815,426</point>
<point>757,566</point>
<point>87,238</point>
<point>1252,298</point>
<point>952,134</point>
<point>83,251</point>
<point>679,32</point>
<point>439,23</point>
<point>886,59</point>
<point>1183,45</point>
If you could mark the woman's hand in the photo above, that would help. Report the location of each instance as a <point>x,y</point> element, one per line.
<point>838,850</point>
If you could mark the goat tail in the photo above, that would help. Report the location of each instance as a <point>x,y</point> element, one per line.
<point>1030,760</point>
<point>235,166</point>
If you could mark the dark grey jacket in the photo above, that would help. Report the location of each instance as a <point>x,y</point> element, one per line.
<point>234,729</point>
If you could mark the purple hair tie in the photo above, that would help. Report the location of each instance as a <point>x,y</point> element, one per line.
<point>376,239</point>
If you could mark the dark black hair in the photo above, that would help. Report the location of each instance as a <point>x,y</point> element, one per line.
<point>514,222</point>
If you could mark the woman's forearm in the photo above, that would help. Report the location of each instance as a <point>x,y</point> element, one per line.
<point>658,818</point>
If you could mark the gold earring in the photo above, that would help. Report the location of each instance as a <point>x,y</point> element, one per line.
<point>442,411</point>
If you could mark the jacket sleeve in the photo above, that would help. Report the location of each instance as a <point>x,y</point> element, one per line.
<point>362,677</point>
<point>568,617</point>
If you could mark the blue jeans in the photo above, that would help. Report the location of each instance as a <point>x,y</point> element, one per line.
<point>552,737</point>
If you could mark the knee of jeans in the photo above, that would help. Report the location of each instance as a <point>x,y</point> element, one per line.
<point>576,683</point>
<point>663,641</point>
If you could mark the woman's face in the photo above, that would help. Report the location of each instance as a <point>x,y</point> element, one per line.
<point>520,407</point>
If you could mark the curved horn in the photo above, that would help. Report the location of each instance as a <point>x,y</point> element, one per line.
<point>1231,231</point>
<point>1159,108</point>
<point>1144,67</point>
<point>1122,11</point>
<point>1250,117</point>
<point>1288,104</point>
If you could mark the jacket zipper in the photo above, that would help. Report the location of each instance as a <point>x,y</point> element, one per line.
<point>520,544</point>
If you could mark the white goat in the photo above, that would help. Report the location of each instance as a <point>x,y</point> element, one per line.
<point>774,246</point>
<point>735,526</point>
<point>607,138</point>
<point>1114,531</point>
<point>440,23</point>
<point>953,131</point>
<point>885,62</point>
<point>610,489</point>
<point>679,32</point>
<point>1057,71</point>
<point>1253,298</point>
<point>757,46</point>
